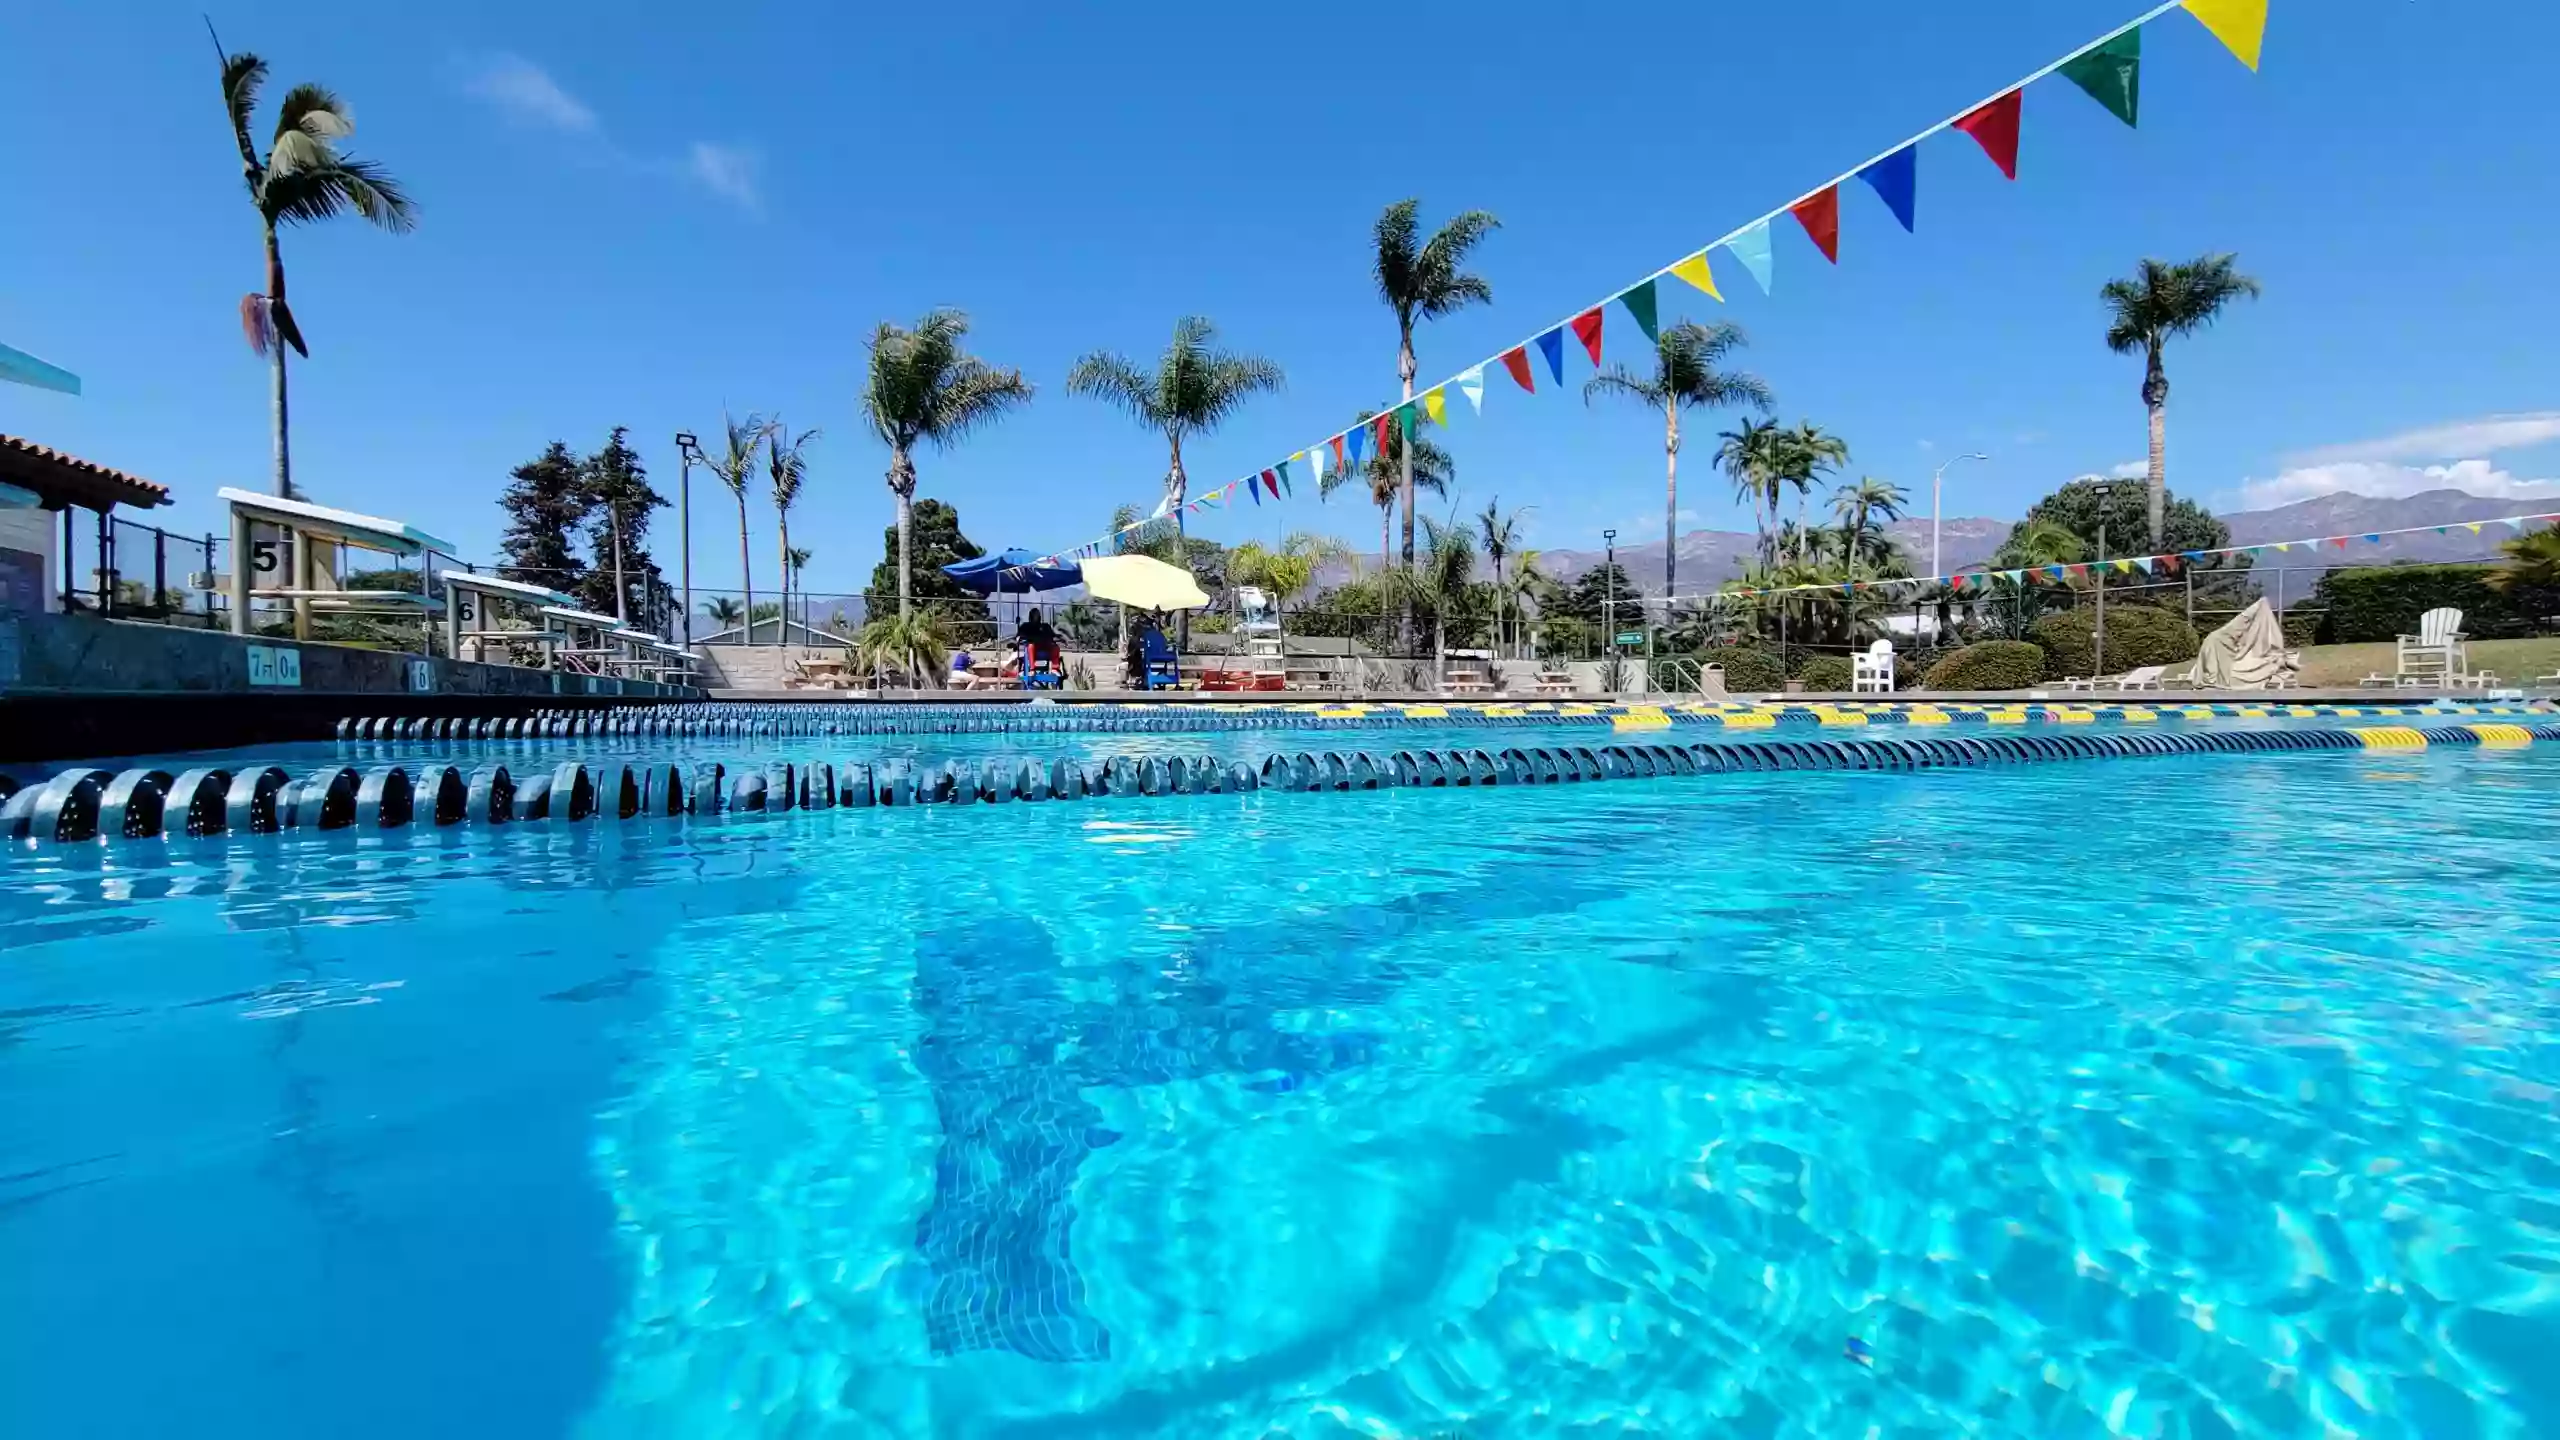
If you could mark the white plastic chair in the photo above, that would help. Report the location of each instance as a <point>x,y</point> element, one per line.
<point>1872,672</point>
<point>2141,677</point>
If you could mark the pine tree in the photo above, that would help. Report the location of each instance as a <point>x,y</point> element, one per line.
<point>547,502</point>
<point>617,486</point>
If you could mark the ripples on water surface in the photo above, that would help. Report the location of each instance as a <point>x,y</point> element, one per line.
<point>2207,1097</point>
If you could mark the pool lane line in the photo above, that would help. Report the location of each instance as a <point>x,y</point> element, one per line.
<point>139,805</point>
<point>857,718</point>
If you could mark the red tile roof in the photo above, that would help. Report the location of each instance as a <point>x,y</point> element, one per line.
<point>68,479</point>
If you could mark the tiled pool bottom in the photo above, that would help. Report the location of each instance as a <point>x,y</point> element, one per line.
<point>2195,1097</point>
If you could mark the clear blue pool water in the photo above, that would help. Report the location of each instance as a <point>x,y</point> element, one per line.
<point>2197,1097</point>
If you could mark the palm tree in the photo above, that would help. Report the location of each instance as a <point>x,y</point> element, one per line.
<point>1287,570</point>
<point>1755,457</point>
<point>2533,562</point>
<point>1499,532</point>
<point>1444,583</point>
<point>723,611</point>
<point>1421,280</point>
<point>1388,476</point>
<point>793,562</point>
<point>924,387</point>
<point>1193,390</point>
<point>303,179</point>
<point>789,470</point>
<point>735,465</point>
<point>1856,507</point>
<point>2160,301</point>
<point>1808,453</point>
<point>1684,376</point>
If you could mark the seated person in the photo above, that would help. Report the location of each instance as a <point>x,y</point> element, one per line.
<point>962,677</point>
<point>1035,637</point>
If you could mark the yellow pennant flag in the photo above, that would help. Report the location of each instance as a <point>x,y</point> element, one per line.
<point>1695,271</point>
<point>2241,25</point>
<point>1435,402</point>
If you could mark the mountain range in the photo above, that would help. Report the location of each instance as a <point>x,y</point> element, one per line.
<point>1711,557</point>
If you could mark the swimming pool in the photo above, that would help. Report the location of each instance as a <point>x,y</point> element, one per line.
<point>2191,1095</point>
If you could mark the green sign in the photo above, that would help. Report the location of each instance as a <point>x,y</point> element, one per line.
<point>1630,637</point>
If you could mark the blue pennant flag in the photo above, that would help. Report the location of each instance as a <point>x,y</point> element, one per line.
<point>1751,247</point>
<point>1896,177</point>
<point>1551,345</point>
<point>1357,437</point>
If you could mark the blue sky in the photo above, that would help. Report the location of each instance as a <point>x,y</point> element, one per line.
<point>639,213</point>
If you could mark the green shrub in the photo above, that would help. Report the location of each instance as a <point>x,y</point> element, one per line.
<point>1991,665</point>
<point>2383,602</point>
<point>1912,667</point>
<point>2136,635</point>
<point>1825,672</point>
<point>2301,627</point>
<point>1747,671</point>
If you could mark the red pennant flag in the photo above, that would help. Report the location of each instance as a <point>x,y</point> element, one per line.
<point>1516,360</point>
<point>1995,128</point>
<point>1340,465</point>
<point>1378,430</point>
<point>1820,216</point>
<point>1271,483</point>
<point>1586,328</point>
<point>2339,541</point>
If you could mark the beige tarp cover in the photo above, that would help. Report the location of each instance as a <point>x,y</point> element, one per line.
<point>2246,654</point>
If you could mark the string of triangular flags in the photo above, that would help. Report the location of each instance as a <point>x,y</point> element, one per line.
<point>2107,69</point>
<point>2169,562</point>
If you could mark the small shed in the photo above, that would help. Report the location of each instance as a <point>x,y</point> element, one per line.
<point>36,480</point>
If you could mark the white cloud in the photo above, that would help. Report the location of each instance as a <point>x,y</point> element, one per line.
<point>2487,435</point>
<point>725,171</point>
<point>526,92</point>
<point>2131,470</point>
<point>2389,481</point>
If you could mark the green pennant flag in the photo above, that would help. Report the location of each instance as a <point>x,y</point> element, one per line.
<point>2111,74</point>
<point>1285,487</point>
<point>1404,420</point>
<point>1640,303</point>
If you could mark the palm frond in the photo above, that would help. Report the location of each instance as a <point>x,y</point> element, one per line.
<point>1112,379</point>
<point>1398,236</point>
<point>785,465</point>
<point>313,111</point>
<point>972,394</point>
<point>243,75</point>
<point>1619,380</point>
<point>343,185</point>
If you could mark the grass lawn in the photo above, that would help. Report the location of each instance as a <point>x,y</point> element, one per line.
<point>2514,662</point>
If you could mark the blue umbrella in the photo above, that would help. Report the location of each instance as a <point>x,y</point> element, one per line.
<point>1015,572</point>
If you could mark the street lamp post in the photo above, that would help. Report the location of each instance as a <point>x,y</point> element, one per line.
<point>1936,482</point>
<point>2098,641</point>
<point>688,449</point>
<point>1609,590</point>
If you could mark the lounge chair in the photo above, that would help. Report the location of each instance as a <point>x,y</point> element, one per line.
<point>2140,677</point>
<point>1872,672</point>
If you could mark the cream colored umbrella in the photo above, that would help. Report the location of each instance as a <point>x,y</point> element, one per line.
<point>1142,581</point>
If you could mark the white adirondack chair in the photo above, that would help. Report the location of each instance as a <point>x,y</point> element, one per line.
<point>2436,652</point>
<point>1871,673</point>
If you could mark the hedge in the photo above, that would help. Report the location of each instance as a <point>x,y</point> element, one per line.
<point>1826,672</point>
<point>1991,665</point>
<point>2383,602</point>
<point>2136,635</point>
<point>1747,671</point>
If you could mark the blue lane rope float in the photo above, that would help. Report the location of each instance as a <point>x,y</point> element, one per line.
<point>732,720</point>
<point>87,804</point>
